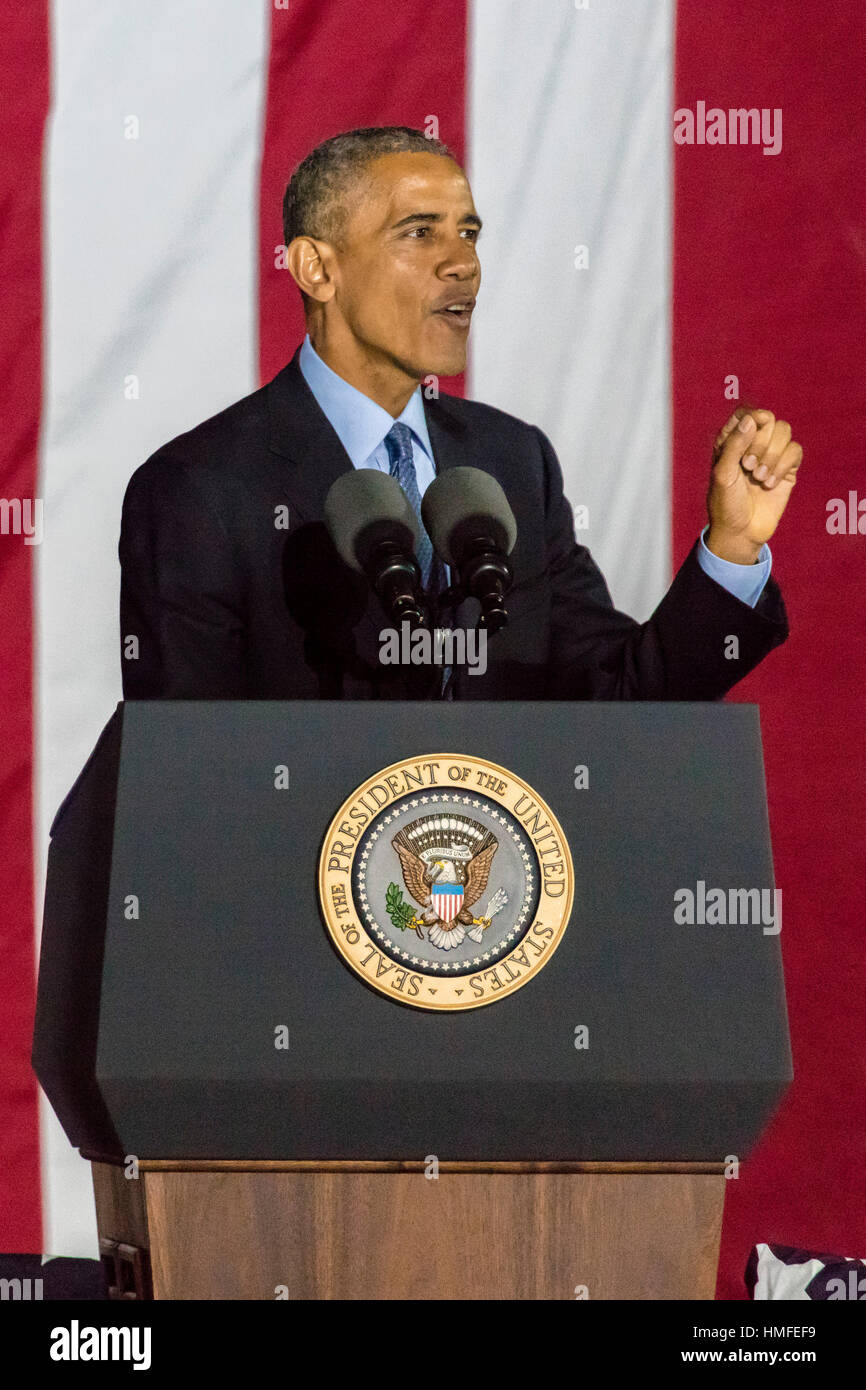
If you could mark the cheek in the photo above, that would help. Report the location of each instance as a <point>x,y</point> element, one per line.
<point>396,300</point>
<point>405,286</point>
<point>390,295</point>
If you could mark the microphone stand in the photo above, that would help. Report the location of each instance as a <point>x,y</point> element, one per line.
<point>485,575</point>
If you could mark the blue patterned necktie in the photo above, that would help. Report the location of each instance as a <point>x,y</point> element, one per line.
<point>398,442</point>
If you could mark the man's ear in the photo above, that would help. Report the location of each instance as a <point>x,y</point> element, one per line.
<point>311,262</point>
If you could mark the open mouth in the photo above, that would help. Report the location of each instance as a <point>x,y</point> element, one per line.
<point>458,318</point>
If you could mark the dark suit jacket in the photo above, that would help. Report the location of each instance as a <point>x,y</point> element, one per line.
<point>226,603</point>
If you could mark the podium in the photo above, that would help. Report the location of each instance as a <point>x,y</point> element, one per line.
<point>287,1088</point>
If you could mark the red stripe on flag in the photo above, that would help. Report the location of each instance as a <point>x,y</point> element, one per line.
<point>336,67</point>
<point>24,56</point>
<point>769,284</point>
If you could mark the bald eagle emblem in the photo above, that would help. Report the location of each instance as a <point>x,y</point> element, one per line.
<point>446,862</point>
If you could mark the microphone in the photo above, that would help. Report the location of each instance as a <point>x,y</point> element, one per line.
<point>468,519</point>
<point>375,531</point>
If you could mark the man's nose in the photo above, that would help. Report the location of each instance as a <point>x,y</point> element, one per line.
<point>461,258</point>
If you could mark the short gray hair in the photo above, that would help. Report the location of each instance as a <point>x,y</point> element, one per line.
<point>316,201</point>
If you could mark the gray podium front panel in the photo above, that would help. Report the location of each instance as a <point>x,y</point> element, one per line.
<point>688,1047</point>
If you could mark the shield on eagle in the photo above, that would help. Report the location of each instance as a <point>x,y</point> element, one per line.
<point>447,900</point>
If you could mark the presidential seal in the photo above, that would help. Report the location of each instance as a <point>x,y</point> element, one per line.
<point>445,882</point>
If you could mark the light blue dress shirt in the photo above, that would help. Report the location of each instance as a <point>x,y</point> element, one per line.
<point>745,582</point>
<point>362,425</point>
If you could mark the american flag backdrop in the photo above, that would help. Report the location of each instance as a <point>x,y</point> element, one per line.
<point>633,290</point>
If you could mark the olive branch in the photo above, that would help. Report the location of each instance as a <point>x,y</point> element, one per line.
<point>398,910</point>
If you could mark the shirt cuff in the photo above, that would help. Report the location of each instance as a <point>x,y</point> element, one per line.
<point>745,582</point>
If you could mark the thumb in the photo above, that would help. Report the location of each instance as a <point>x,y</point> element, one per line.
<point>727,468</point>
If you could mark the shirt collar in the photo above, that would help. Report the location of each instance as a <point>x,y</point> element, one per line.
<point>360,423</point>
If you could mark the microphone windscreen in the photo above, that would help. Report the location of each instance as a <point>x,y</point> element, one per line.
<point>460,503</point>
<point>364,507</point>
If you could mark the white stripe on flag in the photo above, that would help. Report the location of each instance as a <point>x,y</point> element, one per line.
<point>151,256</point>
<point>569,144</point>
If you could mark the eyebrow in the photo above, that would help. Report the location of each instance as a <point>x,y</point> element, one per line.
<point>470,218</point>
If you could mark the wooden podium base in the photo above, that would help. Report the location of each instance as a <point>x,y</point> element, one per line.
<point>234,1230</point>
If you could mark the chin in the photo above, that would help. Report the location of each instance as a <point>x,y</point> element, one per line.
<point>445,363</point>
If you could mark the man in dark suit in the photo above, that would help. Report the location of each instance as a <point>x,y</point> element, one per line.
<point>230,586</point>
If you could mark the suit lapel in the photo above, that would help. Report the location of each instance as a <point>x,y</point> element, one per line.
<point>300,432</point>
<point>448,435</point>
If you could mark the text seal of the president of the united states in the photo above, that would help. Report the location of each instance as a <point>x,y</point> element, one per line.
<point>445,882</point>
